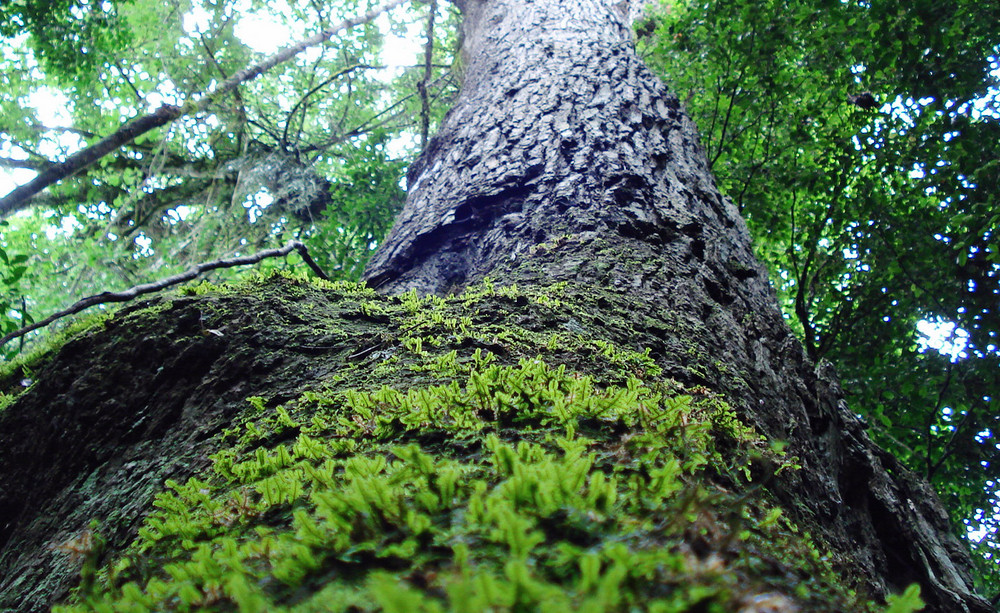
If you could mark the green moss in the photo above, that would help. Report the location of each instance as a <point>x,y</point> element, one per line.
<point>201,288</point>
<point>474,453</point>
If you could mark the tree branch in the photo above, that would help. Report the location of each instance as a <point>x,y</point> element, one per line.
<point>370,123</point>
<point>425,108</point>
<point>302,100</point>
<point>63,129</point>
<point>19,197</point>
<point>148,288</point>
<point>26,164</point>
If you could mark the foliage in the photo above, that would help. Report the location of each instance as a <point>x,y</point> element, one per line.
<point>907,602</point>
<point>314,149</point>
<point>365,196</point>
<point>860,142</point>
<point>72,37</point>
<point>12,270</point>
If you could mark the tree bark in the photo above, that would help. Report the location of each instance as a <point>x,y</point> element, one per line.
<point>565,159</point>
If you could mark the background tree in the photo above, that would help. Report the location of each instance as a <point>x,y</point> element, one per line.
<point>281,157</point>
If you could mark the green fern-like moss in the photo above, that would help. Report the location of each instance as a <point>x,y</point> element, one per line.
<point>507,469</point>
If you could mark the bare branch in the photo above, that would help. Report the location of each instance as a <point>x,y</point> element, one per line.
<point>19,197</point>
<point>62,129</point>
<point>425,107</point>
<point>289,52</point>
<point>148,288</point>
<point>371,123</point>
<point>128,81</point>
<point>28,164</point>
<point>324,83</point>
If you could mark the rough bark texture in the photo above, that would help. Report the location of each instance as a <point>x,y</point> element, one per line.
<point>115,415</point>
<point>565,159</point>
<point>152,393</point>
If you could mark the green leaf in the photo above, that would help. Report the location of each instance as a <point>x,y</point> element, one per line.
<point>907,602</point>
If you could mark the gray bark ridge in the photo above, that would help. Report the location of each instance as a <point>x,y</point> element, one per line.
<point>559,128</point>
<point>564,158</point>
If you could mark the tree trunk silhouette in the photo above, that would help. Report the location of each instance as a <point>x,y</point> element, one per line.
<point>563,160</point>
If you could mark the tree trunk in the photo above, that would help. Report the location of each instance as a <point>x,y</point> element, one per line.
<point>564,164</point>
<point>565,159</point>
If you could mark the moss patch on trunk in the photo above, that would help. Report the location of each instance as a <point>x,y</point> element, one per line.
<point>486,451</point>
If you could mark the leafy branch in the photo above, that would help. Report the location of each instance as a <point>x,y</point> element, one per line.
<point>20,197</point>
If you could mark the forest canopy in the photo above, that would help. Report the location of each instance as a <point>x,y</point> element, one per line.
<point>861,142</point>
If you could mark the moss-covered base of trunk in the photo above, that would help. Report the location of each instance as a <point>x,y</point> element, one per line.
<point>331,449</point>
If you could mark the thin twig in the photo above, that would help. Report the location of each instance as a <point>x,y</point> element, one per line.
<point>37,165</point>
<point>367,124</point>
<point>302,100</point>
<point>148,288</point>
<point>425,109</point>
